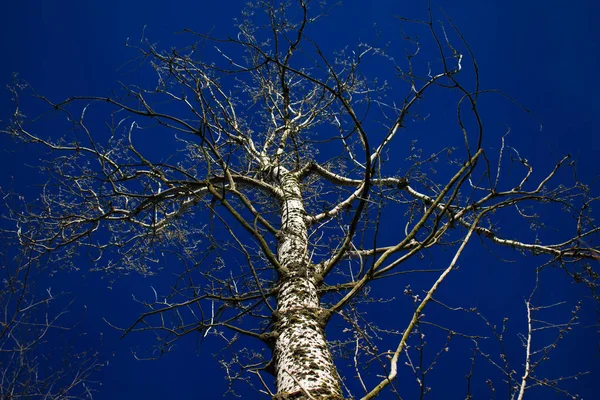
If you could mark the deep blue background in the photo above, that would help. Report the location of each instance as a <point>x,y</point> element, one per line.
<point>543,53</point>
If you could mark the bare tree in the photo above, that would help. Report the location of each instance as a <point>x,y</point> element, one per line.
<point>265,167</point>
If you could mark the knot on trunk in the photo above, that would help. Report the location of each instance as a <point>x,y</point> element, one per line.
<point>303,316</point>
<point>269,338</point>
<point>303,270</point>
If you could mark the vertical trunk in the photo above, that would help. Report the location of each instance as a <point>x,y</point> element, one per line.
<point>303,363</point>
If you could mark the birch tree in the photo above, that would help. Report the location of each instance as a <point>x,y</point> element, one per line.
<point>260,168</point>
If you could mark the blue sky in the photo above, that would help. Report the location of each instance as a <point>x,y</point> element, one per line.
<point>543,53</point>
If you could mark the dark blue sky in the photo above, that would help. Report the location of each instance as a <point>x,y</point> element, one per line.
<point>545,54</point>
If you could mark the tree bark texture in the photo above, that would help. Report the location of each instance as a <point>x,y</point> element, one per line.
<point>303,363</point>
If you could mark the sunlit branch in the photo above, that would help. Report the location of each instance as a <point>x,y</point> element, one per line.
<point>417,314</point>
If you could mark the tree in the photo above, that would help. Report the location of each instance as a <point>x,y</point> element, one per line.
<point>287,168</point>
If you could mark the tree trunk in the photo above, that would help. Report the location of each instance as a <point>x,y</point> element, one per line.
<point>303,363</point>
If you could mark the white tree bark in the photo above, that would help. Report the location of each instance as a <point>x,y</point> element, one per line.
<point>303,363</point>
